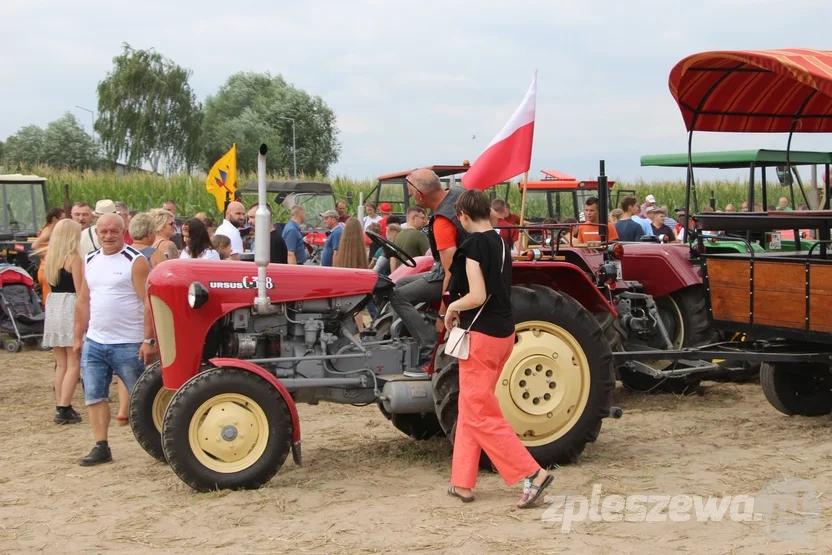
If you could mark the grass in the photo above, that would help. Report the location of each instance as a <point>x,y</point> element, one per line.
<point>145,191</point>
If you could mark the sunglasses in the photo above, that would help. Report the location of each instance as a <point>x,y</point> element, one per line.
<point>414,186</point>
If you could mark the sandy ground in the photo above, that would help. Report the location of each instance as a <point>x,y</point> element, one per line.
<point>366,488</point>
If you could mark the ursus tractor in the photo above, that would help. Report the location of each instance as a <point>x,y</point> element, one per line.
<point>241,343</point>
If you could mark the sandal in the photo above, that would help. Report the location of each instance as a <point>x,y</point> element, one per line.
<point>123,420</point>
<point>465,499</point>
<point>531,492</point>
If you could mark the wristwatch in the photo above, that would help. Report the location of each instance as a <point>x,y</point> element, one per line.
<point>151,342</point>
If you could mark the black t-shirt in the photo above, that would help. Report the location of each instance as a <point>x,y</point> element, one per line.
<point>664,230</point>
<point>628,230</point>
<point>497,318</point>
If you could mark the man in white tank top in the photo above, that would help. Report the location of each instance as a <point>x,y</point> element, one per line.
<point>112,311</point>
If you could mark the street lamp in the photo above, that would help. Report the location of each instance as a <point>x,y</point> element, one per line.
<point>92,119</point>
<point>294,150</point>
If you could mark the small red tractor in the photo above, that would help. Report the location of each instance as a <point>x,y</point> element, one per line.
<point>241,343</point>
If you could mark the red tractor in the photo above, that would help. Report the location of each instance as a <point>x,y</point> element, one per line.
<point>241,343</point>
<point>659,301</point>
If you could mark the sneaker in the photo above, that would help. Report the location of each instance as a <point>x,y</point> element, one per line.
<point>99,455</point>
<point>74,414</point>
<point>66,415</point>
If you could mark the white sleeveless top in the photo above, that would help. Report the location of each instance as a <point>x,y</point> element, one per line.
<point>116,311</point>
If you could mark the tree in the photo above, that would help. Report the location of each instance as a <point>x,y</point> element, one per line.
<point>26,146</point>
<point>249,110</point>
<point>66,145</point>
<point>147,111</point>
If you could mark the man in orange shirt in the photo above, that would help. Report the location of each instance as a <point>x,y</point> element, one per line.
<point>588,233</point>
<point>445,234</point>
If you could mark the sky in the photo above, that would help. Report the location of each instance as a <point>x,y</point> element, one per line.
<point>415,83</point>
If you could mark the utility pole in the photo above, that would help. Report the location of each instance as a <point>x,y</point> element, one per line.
<point>92,120</point>
<point>294,148</point>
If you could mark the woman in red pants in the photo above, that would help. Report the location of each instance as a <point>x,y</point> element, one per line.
<point>481,283</point>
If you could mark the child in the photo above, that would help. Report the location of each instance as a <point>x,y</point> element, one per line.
<point>222,244</point>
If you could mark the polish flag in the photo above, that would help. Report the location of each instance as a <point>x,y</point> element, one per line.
<point>510,152</point>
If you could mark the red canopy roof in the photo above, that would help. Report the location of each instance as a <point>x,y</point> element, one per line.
<point>558,181</point>
<point>755,91</point>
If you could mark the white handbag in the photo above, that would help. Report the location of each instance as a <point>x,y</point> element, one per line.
<point>459,340</point>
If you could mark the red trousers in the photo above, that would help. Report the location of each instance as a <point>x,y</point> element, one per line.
<point>481,425</point>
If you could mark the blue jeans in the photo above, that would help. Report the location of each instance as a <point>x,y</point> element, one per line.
<point>99,362</point>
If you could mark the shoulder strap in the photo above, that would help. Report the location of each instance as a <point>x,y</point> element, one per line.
<point>502,265</point>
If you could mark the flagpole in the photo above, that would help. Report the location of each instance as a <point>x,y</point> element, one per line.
<point>523,236</point>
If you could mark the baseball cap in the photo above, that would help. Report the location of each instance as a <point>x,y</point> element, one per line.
<point>650,198</point>
<point>330,214</point>
<point>652,209</point>
<point>385,207</point>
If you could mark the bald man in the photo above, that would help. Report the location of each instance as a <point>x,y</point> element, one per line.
<point>445,234</point>
<point>235,218</point>
<point>113,329</point>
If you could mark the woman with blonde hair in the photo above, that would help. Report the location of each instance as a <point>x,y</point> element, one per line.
<point>64,271</point>
<point>353,254</point>
<point>53,216</point>
<point>165,230</point>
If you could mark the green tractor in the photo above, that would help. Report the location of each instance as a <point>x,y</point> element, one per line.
<point>753,160</point>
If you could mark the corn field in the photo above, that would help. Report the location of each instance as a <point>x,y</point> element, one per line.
<point>144,191</point>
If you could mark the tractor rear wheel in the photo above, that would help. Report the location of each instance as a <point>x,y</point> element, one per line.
<point>148,404</point>
<point>685,316</point>
<point>556,387</point>
<point>798,389</point>
<point>227,428</point>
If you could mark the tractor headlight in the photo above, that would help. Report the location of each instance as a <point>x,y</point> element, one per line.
<point>197,295</point>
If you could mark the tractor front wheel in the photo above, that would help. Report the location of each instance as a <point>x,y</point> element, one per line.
<point>798,389</point>
<point>556,387</point>
<point>227,428</point>
<point>148,404</point>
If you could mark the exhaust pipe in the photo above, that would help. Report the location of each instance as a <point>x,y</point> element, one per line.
<point>262,222</point>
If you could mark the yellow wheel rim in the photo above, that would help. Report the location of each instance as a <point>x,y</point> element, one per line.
<point>160,405</point>
<point>544,387</point>
<point>228,433</point>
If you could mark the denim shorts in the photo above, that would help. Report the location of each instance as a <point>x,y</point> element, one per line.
<point>98,364</point>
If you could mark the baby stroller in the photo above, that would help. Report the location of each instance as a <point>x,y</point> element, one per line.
<point>21,316</point>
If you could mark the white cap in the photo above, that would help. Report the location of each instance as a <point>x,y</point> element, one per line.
<point>650,198</point>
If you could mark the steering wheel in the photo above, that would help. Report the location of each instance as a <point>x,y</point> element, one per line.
<point>391,249</point>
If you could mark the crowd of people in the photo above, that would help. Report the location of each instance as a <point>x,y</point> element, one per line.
<point>96,260</point>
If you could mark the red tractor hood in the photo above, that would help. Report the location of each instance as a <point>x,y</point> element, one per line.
<point>236,282</point>
<point>661,268</point>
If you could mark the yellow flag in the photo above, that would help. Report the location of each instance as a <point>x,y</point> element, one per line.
<point>222,178</point>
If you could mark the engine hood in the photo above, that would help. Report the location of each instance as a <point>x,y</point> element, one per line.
<point>236,281</point>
